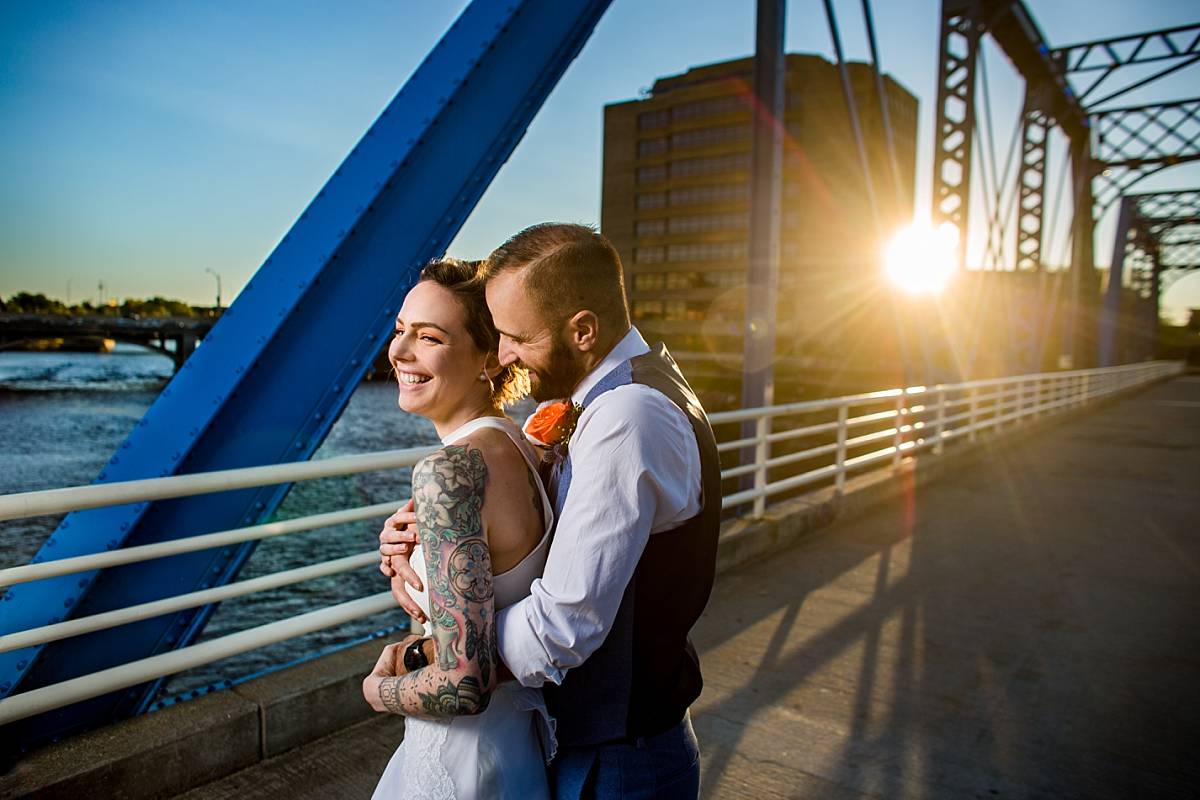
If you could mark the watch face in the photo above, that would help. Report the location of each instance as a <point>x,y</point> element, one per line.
<point>414,657</point>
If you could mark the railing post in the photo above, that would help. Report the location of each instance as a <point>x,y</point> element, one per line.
<point>840,481</point>
<point>941,420</point>
<point>972,415</point>
<point>1087,388</point>
<point>761,426</point>
<point>999,403</point>
<point>1020,409</point>
<point>1037,397</point>
<point>896,440</point>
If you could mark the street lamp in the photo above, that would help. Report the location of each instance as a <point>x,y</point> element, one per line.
<point>213,272</point>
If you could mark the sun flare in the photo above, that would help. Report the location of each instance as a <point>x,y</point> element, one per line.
<point>921,259</point>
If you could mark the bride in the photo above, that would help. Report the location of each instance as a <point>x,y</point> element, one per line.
<point>484,523</point>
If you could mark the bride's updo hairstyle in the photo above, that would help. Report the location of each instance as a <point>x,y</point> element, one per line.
<point>462,279</point>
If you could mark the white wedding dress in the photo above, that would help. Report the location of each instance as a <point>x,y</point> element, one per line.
<point>501,753</point>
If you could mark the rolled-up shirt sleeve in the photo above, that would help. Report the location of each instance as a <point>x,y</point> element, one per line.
<point>635,470</point>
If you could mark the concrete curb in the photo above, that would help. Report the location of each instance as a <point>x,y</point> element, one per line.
<point>186,745</point>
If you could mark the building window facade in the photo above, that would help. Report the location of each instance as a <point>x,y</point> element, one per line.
<point>650,200</point>
<point>707,251</point>
<point>649,255</point>
<point>650,227</point>
<point>707,137</point>
<point>710,107</point>
<point>653,174</point>
<point>649,120</point>
<point>715,193</point>
<point>710,165</point>
<point>651,147</point>
<point>702,223</point>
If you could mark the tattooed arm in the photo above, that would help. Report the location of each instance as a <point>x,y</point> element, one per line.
<point>448,488</point>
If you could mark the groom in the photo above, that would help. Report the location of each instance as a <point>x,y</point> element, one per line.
<point>637,503</point>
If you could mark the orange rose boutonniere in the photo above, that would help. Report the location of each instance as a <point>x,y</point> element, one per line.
<point>553,424</point>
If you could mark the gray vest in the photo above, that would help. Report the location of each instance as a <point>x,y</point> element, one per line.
<point>644,676</point>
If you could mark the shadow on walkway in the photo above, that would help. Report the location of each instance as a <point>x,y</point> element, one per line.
<point>1025,629</point>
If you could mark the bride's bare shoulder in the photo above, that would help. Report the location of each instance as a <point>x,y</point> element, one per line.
<point>501,456</point>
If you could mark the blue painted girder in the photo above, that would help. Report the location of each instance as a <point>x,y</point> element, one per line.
<point>275,372</point>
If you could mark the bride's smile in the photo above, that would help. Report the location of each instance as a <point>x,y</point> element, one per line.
<point>440,372</point>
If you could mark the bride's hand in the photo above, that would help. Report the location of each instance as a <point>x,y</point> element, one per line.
<point>389,665</point>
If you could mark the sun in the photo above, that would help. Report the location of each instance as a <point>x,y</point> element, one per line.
<point>921,259</point>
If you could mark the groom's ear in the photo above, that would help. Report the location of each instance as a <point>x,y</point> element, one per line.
<point>584,330</point>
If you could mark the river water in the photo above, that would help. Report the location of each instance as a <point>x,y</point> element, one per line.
<point>62,415</point>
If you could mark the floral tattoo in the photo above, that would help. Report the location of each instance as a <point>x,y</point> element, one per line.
<point>448,489</point>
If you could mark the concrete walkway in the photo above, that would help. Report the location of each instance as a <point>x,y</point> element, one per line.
<point>1026,629</point>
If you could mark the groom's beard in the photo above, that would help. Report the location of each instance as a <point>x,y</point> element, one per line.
<point>558,379</point>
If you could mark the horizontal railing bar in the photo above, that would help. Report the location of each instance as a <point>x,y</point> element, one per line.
<point>741,415</point>
<point>802,432</point>
<point>78,498</point>
<point>744,414</point>
<point>796,481</point>
<point>36,701</point>
<point>146,552</point>
<point>802,455</point>
<point>735,472</point>
<point>124,616</point>
<point>877,455</point>
<point>867,438</point>
<point>866,419</point>
<point>738,444</point>
<point>779,461</point>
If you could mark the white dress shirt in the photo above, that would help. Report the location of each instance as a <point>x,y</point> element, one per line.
<point>635,471</point>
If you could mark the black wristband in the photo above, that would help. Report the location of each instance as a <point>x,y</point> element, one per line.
<point>414,656</point>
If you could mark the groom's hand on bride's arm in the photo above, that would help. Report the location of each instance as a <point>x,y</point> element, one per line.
<point>396,542</point>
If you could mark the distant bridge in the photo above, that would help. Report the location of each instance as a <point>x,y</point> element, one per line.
<point>175,337</point>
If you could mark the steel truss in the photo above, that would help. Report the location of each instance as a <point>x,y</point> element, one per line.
<point>1157,233</point>
<point>1137,141</point>
<point>1112,148</point>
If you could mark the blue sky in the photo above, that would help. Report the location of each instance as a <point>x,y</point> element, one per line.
<point>142,143</point>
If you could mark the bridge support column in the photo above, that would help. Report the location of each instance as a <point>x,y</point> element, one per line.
<point>185,345</point>
<point>1111,311</point>
<point>762,274</point>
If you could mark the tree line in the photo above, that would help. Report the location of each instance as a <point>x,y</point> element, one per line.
<point>27,303</point>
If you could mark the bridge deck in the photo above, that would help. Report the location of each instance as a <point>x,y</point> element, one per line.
<point>1026,629</point>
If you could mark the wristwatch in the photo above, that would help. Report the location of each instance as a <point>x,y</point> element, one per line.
<point>414,656</point>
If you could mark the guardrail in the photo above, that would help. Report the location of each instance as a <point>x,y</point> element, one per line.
<point>795,445</point>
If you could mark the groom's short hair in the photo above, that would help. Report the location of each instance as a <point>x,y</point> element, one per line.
<point>566,268</point>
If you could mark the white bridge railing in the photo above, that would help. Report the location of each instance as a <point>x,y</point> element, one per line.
<point>795,445</point>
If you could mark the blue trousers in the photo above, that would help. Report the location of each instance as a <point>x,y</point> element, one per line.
<point>665,766</point>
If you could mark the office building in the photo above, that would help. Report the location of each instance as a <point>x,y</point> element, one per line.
<point>676,205</point>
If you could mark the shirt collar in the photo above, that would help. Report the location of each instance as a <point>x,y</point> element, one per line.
<point>632,344</point>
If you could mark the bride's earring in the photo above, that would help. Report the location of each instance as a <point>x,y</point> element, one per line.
<point>483,376</point>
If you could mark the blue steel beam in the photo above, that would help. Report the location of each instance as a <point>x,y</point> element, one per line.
<point>275,372</point>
